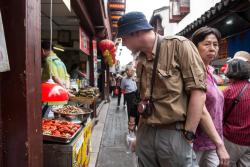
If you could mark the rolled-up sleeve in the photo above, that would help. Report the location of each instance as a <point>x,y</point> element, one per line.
<point>192,67</point>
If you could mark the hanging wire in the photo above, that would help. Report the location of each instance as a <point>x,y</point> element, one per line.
<point>51,36</point>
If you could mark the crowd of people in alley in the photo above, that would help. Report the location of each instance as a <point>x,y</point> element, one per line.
<point>180,116</point>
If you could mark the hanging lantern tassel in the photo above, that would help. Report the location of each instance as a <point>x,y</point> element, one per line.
<point>113,57</point>
<point>106,53</point>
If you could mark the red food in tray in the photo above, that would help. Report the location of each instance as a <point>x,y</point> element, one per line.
<point>58,128</point>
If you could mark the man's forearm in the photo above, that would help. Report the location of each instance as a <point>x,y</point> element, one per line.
<point>195,107</point>
<point>58,81</point>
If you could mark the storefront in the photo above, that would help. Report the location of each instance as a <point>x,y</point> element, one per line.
<point>21,139</point>
<point>67,128</point>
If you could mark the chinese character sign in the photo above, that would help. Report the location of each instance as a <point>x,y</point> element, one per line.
<point>84,41</point>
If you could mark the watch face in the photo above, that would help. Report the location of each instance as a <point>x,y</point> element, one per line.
<point>189,135</point>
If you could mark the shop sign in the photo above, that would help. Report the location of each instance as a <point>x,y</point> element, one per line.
<point>78,156</point>
<point>4,61</point>
<point>95,61</point>
<point>67,3</point>
<point>184,7</point>
<point>178,9</point>
<point>174,11</point>
<point>84,41</point>
<point>78,144</point>
<point>94,50</point>
<point>116,6</point>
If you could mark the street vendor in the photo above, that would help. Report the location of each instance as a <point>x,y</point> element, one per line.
<point>53,67</point>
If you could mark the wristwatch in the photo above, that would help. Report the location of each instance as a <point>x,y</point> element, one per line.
<point>189,135</point>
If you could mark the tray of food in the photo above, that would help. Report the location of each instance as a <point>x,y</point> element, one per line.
<point>83,100</point>
<point>59,131</point>
<point>72,113</point>
<point>89,92</point>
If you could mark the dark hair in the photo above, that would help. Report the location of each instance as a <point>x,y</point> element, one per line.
<point>238,70</point>
<point>46,45</point>
<point>73,67</point>
<point>200,34</point>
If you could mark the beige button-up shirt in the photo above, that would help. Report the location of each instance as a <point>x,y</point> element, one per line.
<point>179,70</point>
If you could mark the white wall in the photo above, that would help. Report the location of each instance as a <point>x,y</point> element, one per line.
<point>197,8</point>
<point>168,27</point>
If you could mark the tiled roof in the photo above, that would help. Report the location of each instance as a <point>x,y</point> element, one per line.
<point>213,13</point>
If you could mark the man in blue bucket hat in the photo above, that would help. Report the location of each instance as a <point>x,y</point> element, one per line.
<point>171,82</point>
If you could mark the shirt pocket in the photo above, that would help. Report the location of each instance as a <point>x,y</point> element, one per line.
<point>168,81</point>
<point>163,74</point>
<point>172,75</point>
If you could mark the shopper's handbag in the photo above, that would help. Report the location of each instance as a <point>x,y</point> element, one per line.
<point>116,91</point>
<point>130,142</point>
<point>235,102</point>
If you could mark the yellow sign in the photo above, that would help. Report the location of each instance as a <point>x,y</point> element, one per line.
<point>81,148</point>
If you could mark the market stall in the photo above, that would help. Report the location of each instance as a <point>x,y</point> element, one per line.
<point>66,134</point>
<point>72,154</point>
<point>66,127</point>
<point>88,97</point>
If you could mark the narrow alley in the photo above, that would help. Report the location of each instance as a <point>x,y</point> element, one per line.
<point>113,151</point>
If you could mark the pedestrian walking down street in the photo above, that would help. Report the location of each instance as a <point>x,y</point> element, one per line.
<point>118,84</point>
<point>172,85</point>
<point>128,85</point>
<point>112,84</point>
<point>206,39</point>
<point>236,125</point>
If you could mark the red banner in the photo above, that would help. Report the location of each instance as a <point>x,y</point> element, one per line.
<point>94,51</point>
<point>84,41</point>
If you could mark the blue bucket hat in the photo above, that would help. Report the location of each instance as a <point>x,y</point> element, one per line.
<point>132,22</point>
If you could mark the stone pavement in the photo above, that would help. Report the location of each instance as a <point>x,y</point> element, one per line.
<point>112,151</point>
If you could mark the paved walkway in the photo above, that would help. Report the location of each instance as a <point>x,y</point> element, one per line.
<point>112,152</point>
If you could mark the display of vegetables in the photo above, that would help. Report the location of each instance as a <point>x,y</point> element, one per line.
<point>58,128</point>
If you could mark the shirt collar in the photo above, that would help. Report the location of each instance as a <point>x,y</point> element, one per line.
<point>142,56</point>
<point>210,69</point>
<point>155,45</point>
<point>51,53</point>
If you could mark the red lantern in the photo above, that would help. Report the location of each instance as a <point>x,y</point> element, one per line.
<point>106,44</point>
<point>108,51</point>
<point>112,51</point>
